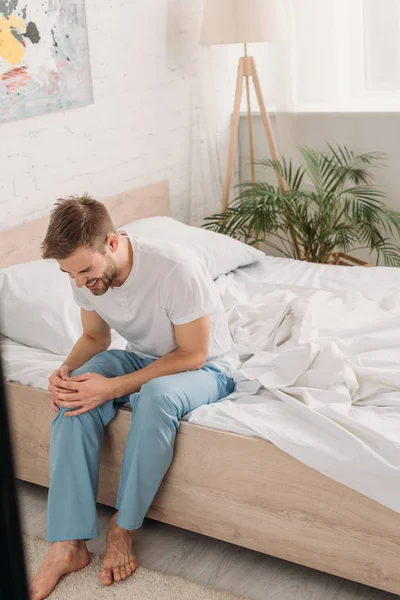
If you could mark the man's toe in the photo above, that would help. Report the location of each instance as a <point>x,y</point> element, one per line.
<point>117,574</point>
<point>133,565</point>
<point>106,576</point>
<point>34,594</point>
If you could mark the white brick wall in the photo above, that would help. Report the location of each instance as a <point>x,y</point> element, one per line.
<point>162,106</point>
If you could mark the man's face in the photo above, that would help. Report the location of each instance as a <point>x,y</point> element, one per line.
<point>92,269</point>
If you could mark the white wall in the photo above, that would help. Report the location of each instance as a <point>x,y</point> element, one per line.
<point>162,106</point>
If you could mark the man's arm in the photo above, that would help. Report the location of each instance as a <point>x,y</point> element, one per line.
<point>96,337</point>
<point>193,343</point>
<point>92,390</point>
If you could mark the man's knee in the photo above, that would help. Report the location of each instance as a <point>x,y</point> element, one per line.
<point>155,402</point>
<point>87,424</point>
<point>61,414</point>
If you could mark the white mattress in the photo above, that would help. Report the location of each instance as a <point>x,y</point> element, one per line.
<point>320,368</point>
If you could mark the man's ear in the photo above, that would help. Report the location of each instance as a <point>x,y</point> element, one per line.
<point>112,242</point>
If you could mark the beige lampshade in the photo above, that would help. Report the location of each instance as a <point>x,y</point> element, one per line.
<point>243,21</point>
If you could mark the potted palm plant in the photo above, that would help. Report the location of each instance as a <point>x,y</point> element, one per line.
<point>329,205</point>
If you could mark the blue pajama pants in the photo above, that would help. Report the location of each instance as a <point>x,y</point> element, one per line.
<point>76,444</point>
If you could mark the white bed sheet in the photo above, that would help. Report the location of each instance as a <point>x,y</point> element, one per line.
<point>320,368</point>
<point>29,366</point>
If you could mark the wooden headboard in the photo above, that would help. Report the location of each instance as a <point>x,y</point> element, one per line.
<point>22,243</point>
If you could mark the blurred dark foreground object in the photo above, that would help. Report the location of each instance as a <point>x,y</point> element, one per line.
<point>13,579</point>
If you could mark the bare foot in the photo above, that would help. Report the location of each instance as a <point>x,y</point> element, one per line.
<point>62,558</point>
<point>119,561</point>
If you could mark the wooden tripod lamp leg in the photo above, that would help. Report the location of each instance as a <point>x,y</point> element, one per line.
<point>234,137</point>
<point>247,73</point>
<point>267,122</point>
<point>250,126</point>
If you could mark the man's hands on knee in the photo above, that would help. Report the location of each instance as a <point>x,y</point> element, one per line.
<point>82,393</point>
<point>56,385</point>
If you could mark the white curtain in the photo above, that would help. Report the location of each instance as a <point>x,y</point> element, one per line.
<point>211,95</point>
<point>381,25</point>
<point>201,91</point>
<point>285,119</point>
<point>346,55</point>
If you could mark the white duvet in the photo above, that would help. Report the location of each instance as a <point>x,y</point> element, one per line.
<point>319,371</point>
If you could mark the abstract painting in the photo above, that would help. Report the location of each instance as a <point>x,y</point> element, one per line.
<point>44,57</point>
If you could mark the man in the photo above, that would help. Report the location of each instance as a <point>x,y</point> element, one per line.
<point>160,298</point>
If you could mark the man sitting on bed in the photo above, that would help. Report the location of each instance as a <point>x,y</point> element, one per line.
<point>160,298</point>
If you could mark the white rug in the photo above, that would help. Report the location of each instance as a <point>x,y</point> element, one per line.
<point>142,585</point>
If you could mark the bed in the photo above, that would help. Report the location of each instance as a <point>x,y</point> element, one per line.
<point>243,489</point>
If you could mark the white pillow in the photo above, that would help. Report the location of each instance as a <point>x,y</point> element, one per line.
<point>38,308</point>
<point>219,253</point>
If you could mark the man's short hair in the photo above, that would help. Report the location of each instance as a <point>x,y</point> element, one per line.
<point>76,221</point>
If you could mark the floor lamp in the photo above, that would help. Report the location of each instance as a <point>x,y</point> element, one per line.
<point>244,21</point>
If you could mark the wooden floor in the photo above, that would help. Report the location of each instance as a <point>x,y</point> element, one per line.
<point>210,562</point>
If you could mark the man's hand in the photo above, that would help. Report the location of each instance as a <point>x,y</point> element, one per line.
<point>85,392</point>
<point>56,384</point>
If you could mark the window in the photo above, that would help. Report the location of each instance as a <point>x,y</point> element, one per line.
<point>381,28</point>
<point>346,55</point>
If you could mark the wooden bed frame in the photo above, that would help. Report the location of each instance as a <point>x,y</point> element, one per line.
<point>232,487</point>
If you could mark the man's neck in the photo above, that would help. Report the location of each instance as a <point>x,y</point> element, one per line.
<point>127,261</point>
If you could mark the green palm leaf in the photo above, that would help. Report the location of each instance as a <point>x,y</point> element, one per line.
<point>343,210</point>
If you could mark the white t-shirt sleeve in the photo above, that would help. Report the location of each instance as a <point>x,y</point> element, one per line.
<point>189,293</point>
<point>79,297</point>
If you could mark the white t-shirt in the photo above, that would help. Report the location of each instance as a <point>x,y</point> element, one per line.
<point>167,286</point>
